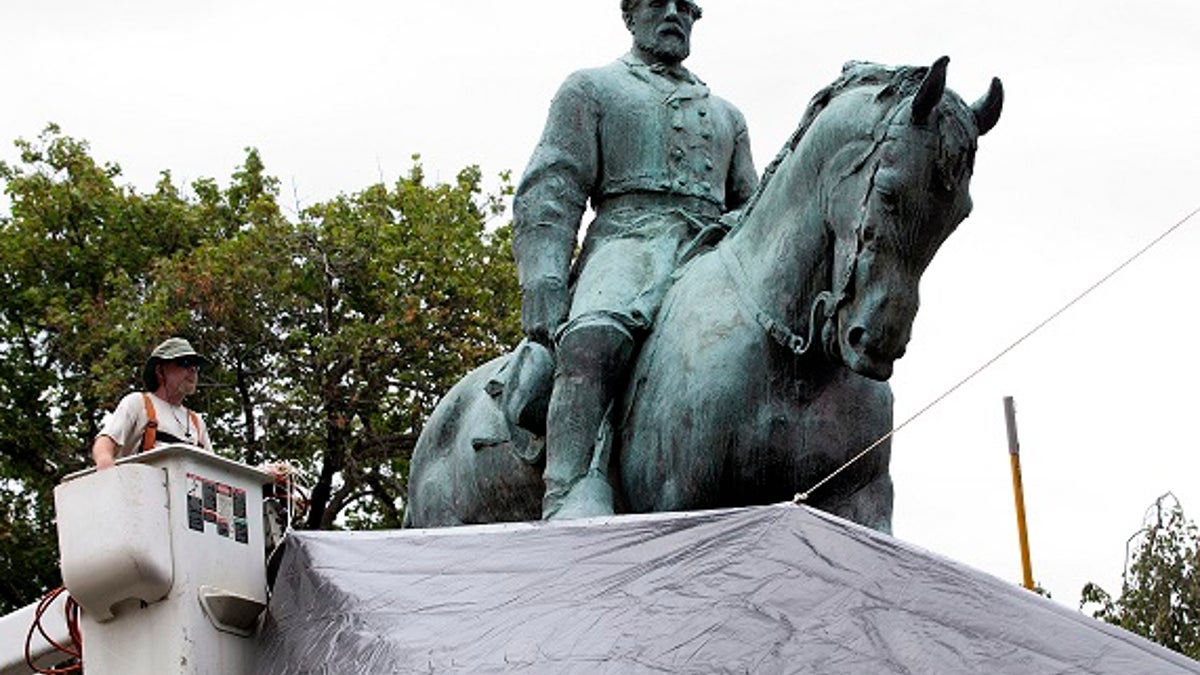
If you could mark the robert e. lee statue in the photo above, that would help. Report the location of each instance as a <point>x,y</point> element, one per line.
<point>660,158</point>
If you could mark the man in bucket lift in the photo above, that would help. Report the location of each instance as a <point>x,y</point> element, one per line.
<point>156,416</point>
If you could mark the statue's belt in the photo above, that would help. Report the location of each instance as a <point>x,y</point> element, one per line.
<point>697,206</point>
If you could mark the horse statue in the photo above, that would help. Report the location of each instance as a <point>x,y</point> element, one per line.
<point>766,368</point>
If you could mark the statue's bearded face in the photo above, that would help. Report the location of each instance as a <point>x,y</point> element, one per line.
<point>663,28</point>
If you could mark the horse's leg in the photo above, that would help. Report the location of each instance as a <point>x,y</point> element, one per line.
<point>870,505</point>
<point>849,415</point>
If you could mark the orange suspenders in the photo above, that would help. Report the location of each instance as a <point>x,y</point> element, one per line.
<point>152,424</point>
<point>196,423</point>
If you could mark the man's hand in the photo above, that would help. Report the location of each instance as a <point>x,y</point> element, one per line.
<point>544,306</point>
<point>278,470</point>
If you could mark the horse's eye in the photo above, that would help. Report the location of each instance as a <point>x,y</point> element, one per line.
<point>888,200</point>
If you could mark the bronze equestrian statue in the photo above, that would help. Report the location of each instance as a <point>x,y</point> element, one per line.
<point>764,365</point>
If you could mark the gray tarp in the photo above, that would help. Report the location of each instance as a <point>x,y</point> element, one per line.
<point>777,589</point>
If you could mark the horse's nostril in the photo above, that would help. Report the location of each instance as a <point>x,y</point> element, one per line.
<point>856,335</point>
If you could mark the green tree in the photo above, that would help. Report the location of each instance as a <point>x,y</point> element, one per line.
<point>332,333</point>
<point>403,291</point>
<point>1160,592</point>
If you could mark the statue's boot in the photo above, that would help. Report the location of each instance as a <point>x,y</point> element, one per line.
<point>589,497</point>
<point>593,360</point>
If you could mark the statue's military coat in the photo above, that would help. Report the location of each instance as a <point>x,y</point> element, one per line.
<point>621,130</point>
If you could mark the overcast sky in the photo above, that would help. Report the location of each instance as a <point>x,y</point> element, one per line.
<point>1097,153</point>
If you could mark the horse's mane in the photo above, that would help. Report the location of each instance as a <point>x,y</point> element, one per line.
<point>898,82</point>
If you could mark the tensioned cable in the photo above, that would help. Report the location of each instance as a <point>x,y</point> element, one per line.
<point>803,496</point>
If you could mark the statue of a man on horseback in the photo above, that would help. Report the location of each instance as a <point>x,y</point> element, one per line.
<point>660,159</point>
<point>765,370</point>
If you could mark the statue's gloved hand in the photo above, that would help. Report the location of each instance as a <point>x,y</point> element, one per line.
<point>544,305</point>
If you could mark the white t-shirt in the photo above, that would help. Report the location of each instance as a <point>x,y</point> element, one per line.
<point>127,424</point>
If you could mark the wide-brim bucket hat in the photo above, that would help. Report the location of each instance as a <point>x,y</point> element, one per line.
<point>169,350</point>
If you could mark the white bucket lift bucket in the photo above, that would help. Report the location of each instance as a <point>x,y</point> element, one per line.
<point>165,554</point>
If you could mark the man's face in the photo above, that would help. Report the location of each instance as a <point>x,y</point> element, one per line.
<point>663,28</point>
<point>180,376</point>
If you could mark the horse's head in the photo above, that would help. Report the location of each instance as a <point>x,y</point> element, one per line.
<point>894,194</point>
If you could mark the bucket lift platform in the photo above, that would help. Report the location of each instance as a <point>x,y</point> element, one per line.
<point>165,553</point>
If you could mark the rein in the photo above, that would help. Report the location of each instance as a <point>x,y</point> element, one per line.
<point>776,329</point>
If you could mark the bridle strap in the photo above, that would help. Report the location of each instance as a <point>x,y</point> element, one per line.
<point>846,251</point>
<point>778,330</point>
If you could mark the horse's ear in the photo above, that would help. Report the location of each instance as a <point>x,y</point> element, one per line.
<point>930,92</point>
<point>987,109</point>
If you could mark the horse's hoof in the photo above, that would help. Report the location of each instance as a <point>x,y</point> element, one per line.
<point>591,497</point>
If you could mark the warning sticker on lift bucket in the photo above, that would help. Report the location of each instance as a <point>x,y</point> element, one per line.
<point>221,505</point>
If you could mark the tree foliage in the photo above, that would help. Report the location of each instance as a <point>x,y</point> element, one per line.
<point>332,332</point>
<point>1160,592</point>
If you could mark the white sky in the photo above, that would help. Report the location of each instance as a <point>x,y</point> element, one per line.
<point>1096,154</point>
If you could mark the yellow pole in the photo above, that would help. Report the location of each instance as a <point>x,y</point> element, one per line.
<point>1014,455</point>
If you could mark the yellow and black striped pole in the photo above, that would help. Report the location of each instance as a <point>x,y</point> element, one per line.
<point>1014,455</point>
